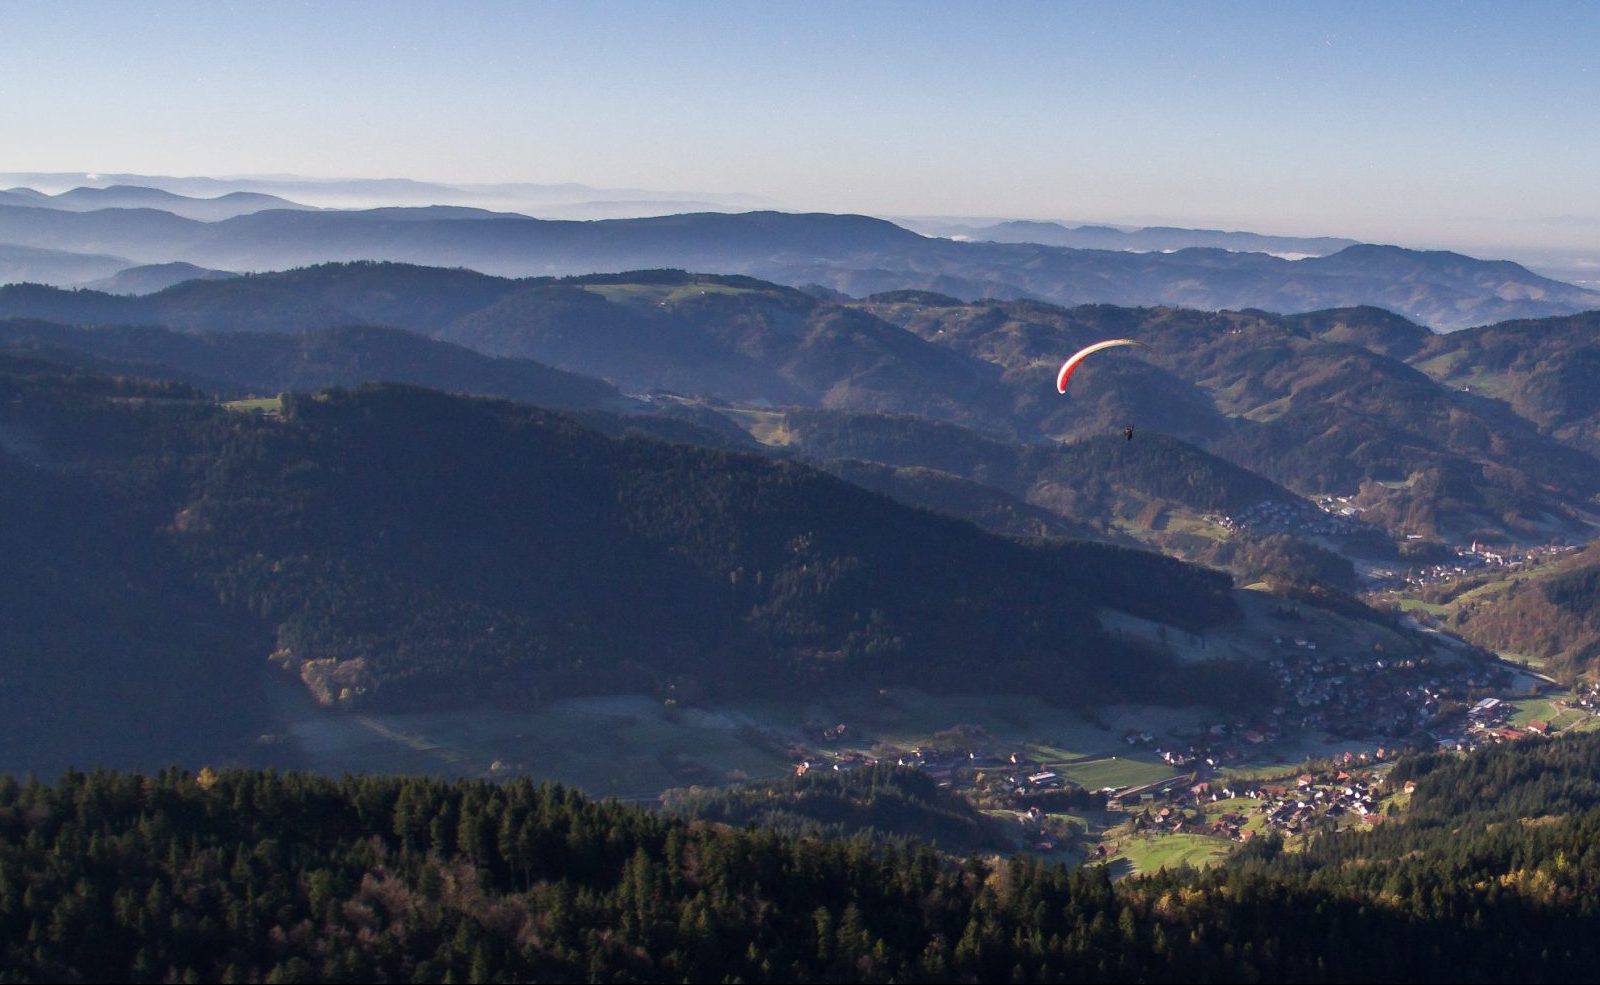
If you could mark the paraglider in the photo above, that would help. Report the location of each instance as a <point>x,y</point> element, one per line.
<point>1078,357</point>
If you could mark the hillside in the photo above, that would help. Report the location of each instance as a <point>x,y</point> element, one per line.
<point>1550,613</point>
<point>400,548</point>
<point>269,364</point>
<point>735,338</point>
<point>1301,400</point>
<point>1098,476</point>
<point>731,337</point>
<point>419,299</point>
<point>1155,489</point>
<point>1544,370</point>
<point>985,505</point>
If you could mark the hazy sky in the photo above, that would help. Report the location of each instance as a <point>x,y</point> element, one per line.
<point>1418,123</point>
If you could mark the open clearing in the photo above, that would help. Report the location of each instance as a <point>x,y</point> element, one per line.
<point>629,746</point>
<point>634,746</point>
<point>1149,853</point>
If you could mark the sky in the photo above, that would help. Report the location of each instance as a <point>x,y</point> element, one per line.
<point>1462,125</point>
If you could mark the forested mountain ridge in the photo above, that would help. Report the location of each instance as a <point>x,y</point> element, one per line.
<point>278,362</point>
<point>236,875</point>
<point>399,547</point>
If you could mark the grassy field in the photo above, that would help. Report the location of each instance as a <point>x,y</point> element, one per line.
<point>1115,771</point>
<point>769,427</point>
<point>661,293</point>
<point>1543,709</point>
<point>1171,851</point>
<point>1530,660</point>
<point>633,746</point>
<point>256,405</point>
<point>628,746</point>
<point>1417,605</point>
<point>1238,805</point>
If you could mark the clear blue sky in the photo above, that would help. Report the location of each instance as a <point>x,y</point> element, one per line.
<point>1422,123</point>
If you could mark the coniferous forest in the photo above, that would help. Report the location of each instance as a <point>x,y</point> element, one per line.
<point>240,875</point>
<point>756,493</point>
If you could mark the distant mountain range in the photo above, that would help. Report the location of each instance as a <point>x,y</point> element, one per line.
<point>1147,239</point>
<point>90,199</point>
<point>855,255</point>
<point>582,201</point>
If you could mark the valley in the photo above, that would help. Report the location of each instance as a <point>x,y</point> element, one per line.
<point>838,566</point>
<point>1136,787</point>
<point>776,493</point>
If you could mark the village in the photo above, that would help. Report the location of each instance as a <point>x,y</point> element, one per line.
<point>1468,560</point>
<point>1208,781</point>
<point>1274,516</point>
<point>1337,516</point>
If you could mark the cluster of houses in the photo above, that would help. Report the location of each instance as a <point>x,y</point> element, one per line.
<point>1475,557</point>
<point>1344,506</point>
<point>1040,832</point>
<point>1488,722</point>
<point>1586,696</point>
<point>1276,516</point>
<point>1015,773</point>
<point>1317,800</point>
<point>1171,818</point>
<point>947,766</point>
<point>1312,800</point>
<point>843,763</point>
<point>1400,700</point>
<point>1371,695</point>
<point>1217,746</point>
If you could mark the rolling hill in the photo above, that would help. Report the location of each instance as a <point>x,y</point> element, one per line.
<point>1299,399</point>
<point>1544,370</point>
<point>1321,403</point>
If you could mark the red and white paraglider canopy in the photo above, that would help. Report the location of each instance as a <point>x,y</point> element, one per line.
<point>1078,357</point>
